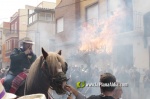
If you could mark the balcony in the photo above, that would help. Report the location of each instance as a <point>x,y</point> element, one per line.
<point>11,34</point>
<point>133,25</point>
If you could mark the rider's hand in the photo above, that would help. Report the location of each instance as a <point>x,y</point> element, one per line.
<point>26,70</point>
<point>28,51</point>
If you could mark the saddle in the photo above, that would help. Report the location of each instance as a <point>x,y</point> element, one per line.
<point>18,81</point>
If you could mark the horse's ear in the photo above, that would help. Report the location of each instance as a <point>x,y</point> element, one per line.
<point>45,54</point>
<point>59,52</point>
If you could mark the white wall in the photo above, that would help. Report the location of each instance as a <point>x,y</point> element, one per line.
<point>41,33</point>
<point>23,22</point>
<point>140,53</point>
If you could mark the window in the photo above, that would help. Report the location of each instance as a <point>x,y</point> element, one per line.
<point>31,11</point>
<point>34,17</point>
<point>48,17</point>
<point>60,25</point>
<point>125,6</point>
<point>45,16</point>
<point>12,44</point>
<point>12,28</point>
<point>30,20</point>
<point>92,12</point>
<point>16,43</point>
<point>8,45</point>
<point>53,17</point>
<point>114,5</point>
<point>15,27</point>
<point>41,16</point>
<point>146,24</point>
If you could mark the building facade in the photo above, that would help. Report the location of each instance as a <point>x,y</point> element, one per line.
<point>130,44</point>
<point>17,31</point>
<point>67,15</point>
<point>41,27</point>
<point>128,22</point>
<point>12,37</point>
<point>5,28</point>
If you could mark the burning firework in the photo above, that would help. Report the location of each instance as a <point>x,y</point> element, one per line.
<point>99,36</point>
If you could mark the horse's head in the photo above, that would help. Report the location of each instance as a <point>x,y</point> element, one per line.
<point>55,68</point>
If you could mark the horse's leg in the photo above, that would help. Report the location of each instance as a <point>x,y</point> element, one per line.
<point>20,91</point>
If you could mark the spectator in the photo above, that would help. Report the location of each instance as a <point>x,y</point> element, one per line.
<point>117,92</point>
<point>106,92</point>
<point>146,81</point>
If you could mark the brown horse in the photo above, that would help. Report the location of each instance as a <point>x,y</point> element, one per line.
<point>48,71</point>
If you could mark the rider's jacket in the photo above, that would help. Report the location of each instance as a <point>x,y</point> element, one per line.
<point>20,61</point>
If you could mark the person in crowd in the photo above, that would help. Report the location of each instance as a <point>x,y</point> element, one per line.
<point>106,92</point>
<point>123,76</point>
<point>146,81</point>
<point>2,72</point>
<point>117,92</point>
<point>21,60</point>
<point>135,83</point>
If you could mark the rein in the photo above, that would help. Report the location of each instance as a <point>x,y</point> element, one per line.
<point>45,70</point>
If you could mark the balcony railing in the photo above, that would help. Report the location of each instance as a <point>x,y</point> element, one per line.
<point>133,21</point>
<point>11,34</point>
<point>138,21</point>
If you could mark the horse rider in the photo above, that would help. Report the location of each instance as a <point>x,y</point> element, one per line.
<point>21,60</point>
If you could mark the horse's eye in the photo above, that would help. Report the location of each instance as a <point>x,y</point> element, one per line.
<point>66,67</point>
<point>46,65</point>
<point>66,64</point>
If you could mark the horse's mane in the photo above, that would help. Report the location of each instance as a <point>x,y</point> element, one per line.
<point>53,60</point>
<point>34,69</point>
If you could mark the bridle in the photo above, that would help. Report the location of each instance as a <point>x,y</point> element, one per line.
<point>55,81</point>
